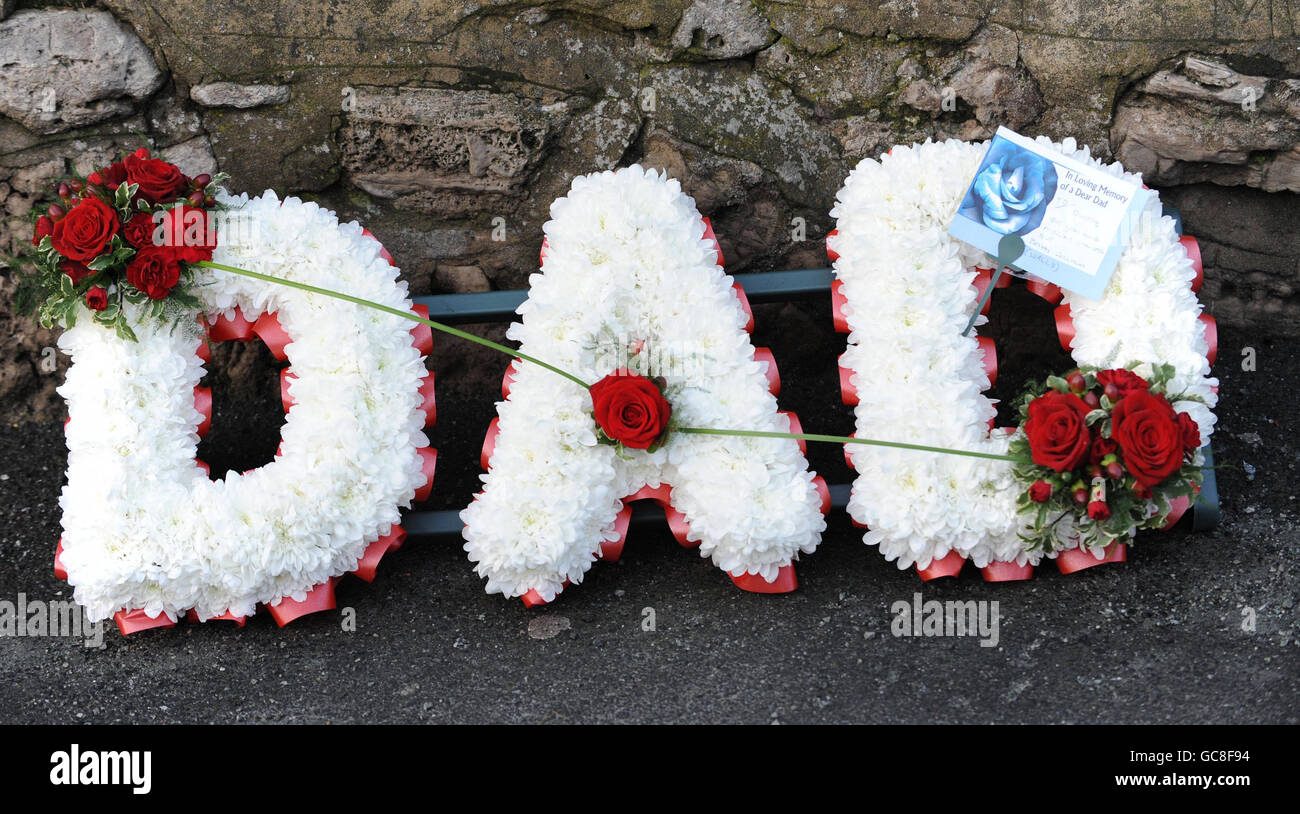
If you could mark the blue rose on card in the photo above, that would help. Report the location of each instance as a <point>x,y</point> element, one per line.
<point>1011,191</point>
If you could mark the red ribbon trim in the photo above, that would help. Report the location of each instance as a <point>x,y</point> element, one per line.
<point>947,566</point>
<point>137,620</point>
<point>1211,337</point>
<point>1193,250</point>
<point>203,403</point>
<point>320,598</point>
<point>1077,559</point>
<point>1006,572</point>
<point>838,304</point>
<point>773,375</point>
<point>848,393</point>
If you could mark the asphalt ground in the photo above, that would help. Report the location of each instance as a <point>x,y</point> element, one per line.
<point>1165,637</point>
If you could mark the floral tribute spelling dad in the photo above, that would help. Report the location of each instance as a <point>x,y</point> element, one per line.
<point>634,379</point>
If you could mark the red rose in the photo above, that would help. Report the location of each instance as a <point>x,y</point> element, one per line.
<point>114,175</point>
<point>1191,432</point>
<point>1125,381</point>
<point>153,271</point>
<point>1149,438</point>
<point>139,230</point>
<point>1101,447</point>
<point>1058,435</point>
<point>1142,491</point>
<point>96,298</point>
<point>188,233</point>
<point>84,233</point>
<point>159,181</point>
<point>1098,510</point>
<point>1040,491</point>
<point>630,409</point>
<point>77,271</point>
<point>44,228</point>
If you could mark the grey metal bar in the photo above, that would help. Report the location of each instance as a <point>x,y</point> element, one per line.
<point>1205,511</point>
<point>500,306</point>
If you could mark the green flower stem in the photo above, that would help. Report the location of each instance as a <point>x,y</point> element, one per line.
<point>487,343</point>
<point>840,439</point>
<point>412,316</point>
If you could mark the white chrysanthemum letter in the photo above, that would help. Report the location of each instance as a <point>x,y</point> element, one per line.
<point>905,292</point>
<point>631,279</point>
<point>147,536</point>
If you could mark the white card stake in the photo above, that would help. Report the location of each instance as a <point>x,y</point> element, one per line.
<point>1075,219</point>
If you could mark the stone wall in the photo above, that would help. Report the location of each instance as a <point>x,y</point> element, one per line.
<point>448,127</point>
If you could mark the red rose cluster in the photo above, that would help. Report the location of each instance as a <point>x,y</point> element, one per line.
<point>136,220</point>
<point>1104,431</point>
<point>630,409</point>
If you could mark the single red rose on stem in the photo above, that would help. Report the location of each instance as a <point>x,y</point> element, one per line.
<point>1123,381</point>
<point>188,233</point>
<point>1150,440</point>
<point>1191,432</point>
<point>1040,491</point>
<point>1057,432</point>
<point>96,298</point>
<point>84,233</point>
<point>77,271</point>
<point>154,272</point>
<point>159,182</point>
<point>630,409</point>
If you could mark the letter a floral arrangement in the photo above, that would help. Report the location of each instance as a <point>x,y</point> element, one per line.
<point>634,379</point>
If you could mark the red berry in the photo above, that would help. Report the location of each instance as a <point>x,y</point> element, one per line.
<point>1114,470</point>
<point>1111,392</point>
<point>1080,496</point>
<point>1090,399</point>
<point>64,190</point>
<point>1076,382</point>
<point>196,198</point>
<point>202,181</point>
<point>1094,471</point>
<point>56,211</point>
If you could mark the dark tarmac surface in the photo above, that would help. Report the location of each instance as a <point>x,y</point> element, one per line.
<point>1159,639</point>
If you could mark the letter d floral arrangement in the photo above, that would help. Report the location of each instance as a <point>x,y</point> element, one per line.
<point>1109,450</point>
<point>134,263</point>
<point>126,233</point>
